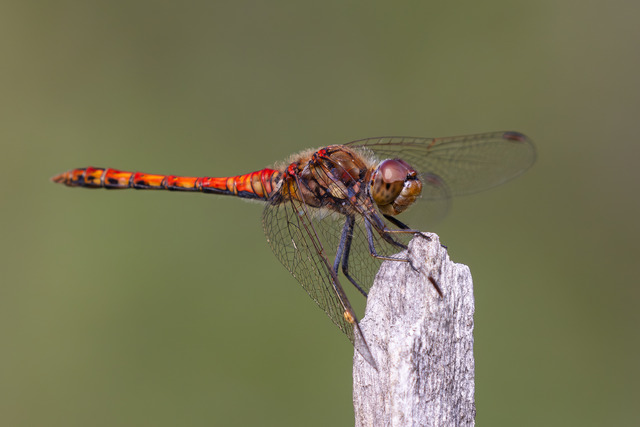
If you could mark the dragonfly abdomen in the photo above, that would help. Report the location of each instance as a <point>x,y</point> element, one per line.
<point>255,185</point>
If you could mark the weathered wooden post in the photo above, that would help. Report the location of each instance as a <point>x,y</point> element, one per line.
<point>423,343</point>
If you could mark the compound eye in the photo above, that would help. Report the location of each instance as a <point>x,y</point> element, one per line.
<point>392,171</point>
<point>389,180</point>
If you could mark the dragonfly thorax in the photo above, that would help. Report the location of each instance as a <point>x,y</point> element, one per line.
<point>395,186</point>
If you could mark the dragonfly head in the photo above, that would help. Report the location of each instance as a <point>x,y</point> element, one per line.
<point>395,186</point>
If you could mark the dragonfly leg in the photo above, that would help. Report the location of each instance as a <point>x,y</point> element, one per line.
<point>403,228</point>
<point>395,221</point>
<point>384,232</point>
<point>347,232</point>
<point>345,246</point>
<point>385,236</point>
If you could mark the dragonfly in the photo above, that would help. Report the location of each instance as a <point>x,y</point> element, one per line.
<point>335,213</point>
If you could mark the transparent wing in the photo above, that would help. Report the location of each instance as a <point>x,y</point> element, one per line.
<point>461,164</point>
<point>294,232</point>
<point>286,227</point>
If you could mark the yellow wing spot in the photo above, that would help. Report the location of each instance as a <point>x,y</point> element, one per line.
<point>349,317</point>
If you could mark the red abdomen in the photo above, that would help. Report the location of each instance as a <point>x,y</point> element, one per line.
<point>255,185</point>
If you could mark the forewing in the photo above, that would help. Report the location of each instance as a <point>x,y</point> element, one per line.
<point>294,239</point>
<point>289,231</point>
<point>464,164</point>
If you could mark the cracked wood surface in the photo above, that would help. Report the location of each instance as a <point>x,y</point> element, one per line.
<point>422,343</point>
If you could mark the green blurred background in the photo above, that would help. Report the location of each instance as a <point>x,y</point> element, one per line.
<point>153,308</point>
